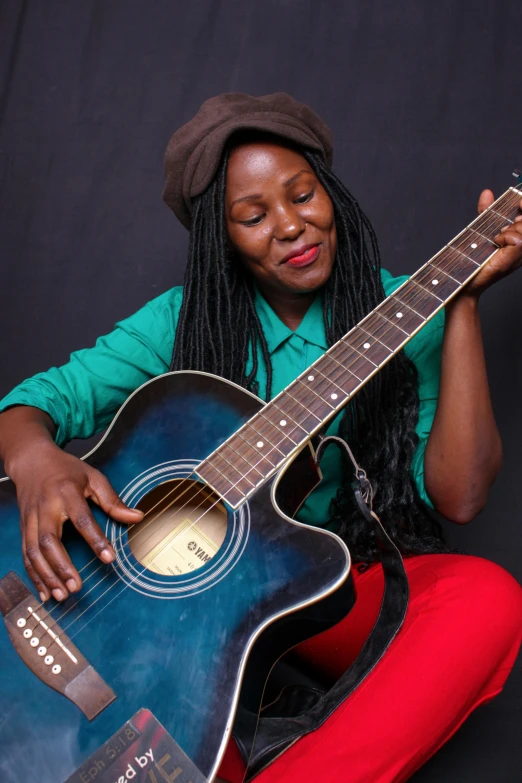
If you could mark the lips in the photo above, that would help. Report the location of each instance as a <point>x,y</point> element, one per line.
<point>302,256</point>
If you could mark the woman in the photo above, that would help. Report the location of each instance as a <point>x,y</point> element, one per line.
<point>282,263</point>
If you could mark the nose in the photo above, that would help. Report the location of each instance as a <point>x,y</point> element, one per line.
<point>289,224</point>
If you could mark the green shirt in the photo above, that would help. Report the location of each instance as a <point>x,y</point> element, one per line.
<point>82,396</point>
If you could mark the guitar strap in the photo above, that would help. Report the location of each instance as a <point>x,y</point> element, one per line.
<point>300,708</point>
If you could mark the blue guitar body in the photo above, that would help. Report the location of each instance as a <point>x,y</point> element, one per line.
<point>177,645</point>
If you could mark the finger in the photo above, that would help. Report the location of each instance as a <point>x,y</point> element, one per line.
<point>38,562</point>
<point>486,199</point>
<point>56,555</point>
<point>43,591</point>
<point>84,522</point>
<point>103,493</point>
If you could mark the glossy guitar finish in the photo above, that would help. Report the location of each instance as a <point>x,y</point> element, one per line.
<point>176,645</point>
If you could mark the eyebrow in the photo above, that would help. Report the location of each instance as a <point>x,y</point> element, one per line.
<point>257,196</point>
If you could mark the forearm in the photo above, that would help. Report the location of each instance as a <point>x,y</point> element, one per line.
<point>464,450</point>
<point>22,430</point>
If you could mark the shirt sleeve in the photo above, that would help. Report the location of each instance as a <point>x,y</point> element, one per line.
<point>82,396</point>
<point>425,350</point>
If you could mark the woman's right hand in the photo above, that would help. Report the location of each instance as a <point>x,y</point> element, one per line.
<point>52,487</point>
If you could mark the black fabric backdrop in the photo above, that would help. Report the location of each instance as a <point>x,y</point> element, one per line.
<point>425,104</point>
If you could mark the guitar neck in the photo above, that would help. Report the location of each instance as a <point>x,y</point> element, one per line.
<point>255,452</point>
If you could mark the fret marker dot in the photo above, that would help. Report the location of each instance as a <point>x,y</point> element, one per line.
<point>310,377</point>
<point>474,245</point>
<point>366,345</point>
<point>260,444</point>
<point>399,315</point>
<point>333,396</point>
<point>434,282</point>
<point>283,422</point>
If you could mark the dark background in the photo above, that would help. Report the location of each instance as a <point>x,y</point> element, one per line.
<point>425,103</point>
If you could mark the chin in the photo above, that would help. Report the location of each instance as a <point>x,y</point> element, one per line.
<point>307,283</point>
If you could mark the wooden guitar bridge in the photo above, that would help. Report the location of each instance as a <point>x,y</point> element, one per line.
<point>48,651</point>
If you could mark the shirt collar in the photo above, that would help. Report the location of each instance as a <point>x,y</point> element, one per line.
<point>311,328</point>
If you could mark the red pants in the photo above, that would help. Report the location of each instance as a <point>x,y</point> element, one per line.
<point>454,651</point>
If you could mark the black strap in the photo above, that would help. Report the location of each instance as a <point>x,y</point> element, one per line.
<point>309,708</point>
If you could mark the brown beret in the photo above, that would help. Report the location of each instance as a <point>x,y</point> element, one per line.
<point>194,151</point>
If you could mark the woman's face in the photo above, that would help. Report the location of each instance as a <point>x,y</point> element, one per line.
<point>279,218</point>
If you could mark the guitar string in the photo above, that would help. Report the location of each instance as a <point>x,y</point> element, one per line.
<point>410,299</point>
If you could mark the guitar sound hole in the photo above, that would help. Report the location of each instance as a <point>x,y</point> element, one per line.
<point>184,526</point>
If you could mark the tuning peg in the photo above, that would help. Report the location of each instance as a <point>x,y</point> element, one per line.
<point>516,173</point>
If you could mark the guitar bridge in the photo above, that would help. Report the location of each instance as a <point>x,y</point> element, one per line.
<point>34,636</point>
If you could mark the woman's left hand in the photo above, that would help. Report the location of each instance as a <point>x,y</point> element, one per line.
<point>506,259</point>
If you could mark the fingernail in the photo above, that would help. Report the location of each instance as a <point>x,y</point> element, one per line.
<point>71,585</point>
<point>505,228</point>
<point>58,594</point>
<point>43,597</point>
<point>107,556</point>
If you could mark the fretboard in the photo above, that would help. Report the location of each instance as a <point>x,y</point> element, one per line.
<point>261,446</point>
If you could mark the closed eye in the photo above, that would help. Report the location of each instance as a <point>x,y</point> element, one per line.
<point>305,198</point>
<point>253,221</point>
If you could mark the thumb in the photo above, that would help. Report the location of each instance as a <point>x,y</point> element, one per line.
<point>486,199</point>
<point>102,492</point>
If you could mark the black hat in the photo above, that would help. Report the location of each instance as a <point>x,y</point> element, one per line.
<point>194,151</point>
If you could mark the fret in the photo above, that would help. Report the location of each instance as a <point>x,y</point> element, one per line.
<point>231,472</point>
<point>265,431</point>
<point>256,453</point>
<point>455,265</point>
<point>355,362</point>
<point>358,342</point>
<point>421,301</point>
<point>373,349</point>
<point>314,407</point>
<point>431,277</point>
<point>327,386</point>
<point>401,315</point>
<point>384,331</point>
<point>335,368</point>
<point>508,204</point>
<point>239,463</point>
<point>283,422</point>
<point>489,224</point>
<point>474,246</point>
<point>226,488</point>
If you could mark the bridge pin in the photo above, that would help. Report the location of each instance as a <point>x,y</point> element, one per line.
<point>35,641</point>
<point>48,660</point>
<point>41,651</point>
<point>21,623</point>
<point>56,668</point>
<point>28,633</point>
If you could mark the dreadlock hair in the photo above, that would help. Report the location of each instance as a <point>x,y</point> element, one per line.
<point>218,329</point>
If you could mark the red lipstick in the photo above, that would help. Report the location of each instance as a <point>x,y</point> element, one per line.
<point>302,256</point>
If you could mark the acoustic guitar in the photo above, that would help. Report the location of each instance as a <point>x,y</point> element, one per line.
<point>139,675</point>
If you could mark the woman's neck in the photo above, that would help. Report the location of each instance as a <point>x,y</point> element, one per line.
<point>289,307</point>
